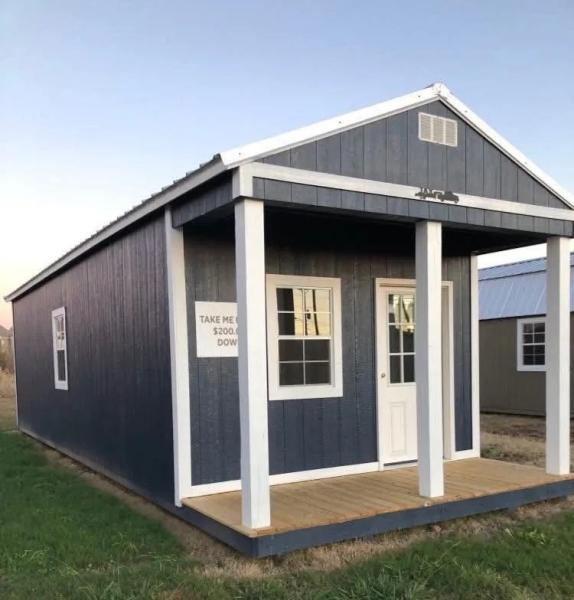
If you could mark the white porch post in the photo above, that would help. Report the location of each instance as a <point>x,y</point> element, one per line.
<point>252,336</point>
<point>428,358</point>
<point>178,345</point>
<point>475,353</point>
<point>558,356</point>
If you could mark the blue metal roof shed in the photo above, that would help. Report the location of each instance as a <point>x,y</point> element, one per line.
<point>516,289</point>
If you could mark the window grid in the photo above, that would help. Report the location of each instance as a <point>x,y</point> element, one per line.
<point>306,333</point>
<point>397,305</point>
<point>531,344</point>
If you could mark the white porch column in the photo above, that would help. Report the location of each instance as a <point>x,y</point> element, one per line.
<point>558,356</point>
<point>428,358</point>
<point>178,345</point>
<point>252,336</point>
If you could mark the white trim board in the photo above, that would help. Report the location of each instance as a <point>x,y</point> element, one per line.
<point>179,363</point>
<point>282,478</point>
<point>383,188</point>
<point>239,156</point>
<point>298,392</point>
<point>154,203</point>
<point>438,91</point>
<point>520,366</point>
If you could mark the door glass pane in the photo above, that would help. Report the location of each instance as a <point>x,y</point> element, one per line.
<point>394,338</point>
<point>407,309</point>
<point>395,363</point>
<point>409,368</point>
<point>393,308</point>
<point>401,332</point>
<point>408,341</point>
<point>61,360</point>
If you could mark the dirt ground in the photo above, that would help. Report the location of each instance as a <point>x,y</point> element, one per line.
<point>7,413</point>
<point>503,438</point>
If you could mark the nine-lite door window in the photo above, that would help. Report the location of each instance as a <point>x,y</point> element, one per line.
<point>531,345</point>
<point>304,337</point>
<point>59,345</point>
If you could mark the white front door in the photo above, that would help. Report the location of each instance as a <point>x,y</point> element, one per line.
<point>396,374</point>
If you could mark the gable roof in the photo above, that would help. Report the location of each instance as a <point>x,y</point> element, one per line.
<point>516,289</point>
<point>230,159</point>
<point>437,91</point>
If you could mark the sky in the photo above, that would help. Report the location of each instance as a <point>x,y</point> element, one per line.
<point>104,102</point>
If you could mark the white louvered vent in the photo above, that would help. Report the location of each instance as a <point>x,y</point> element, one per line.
<point>438,130</point>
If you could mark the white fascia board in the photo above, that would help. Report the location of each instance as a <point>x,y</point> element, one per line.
<point>503,144</point>
<point>243,154</point>
<point>438,91</point>
<point>384,188</point>
<point>195,179</point>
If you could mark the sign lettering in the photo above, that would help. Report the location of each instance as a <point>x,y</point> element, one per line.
<point>216,329</point>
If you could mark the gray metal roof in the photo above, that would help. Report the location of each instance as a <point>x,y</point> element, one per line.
<point>516,289</point>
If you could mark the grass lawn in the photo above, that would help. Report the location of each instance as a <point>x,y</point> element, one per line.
<point>60,537</point>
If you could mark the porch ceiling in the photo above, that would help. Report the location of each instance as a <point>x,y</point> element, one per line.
<point>350,498</point>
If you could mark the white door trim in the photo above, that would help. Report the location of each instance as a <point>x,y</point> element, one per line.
<point>448,366</point>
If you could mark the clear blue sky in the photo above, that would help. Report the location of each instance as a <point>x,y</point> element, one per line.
<point>104,102</point>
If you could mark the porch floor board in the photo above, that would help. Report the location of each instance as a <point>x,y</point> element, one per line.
<point>321,502</point>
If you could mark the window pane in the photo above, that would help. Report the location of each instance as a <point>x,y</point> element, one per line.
<point>409,367</point>
<point>528,328</point>
<point>528,360</point>
<point>539,359</point>
<point>394,338</point>
<point>317,300</point>
<point>318,323</point>
<point>393,308</point>
<point>528,338</point>
<point>407,309</point>
<point>408,341</point>
<point>319,372</point>
<point>539,328</point>
<point>290,350</point>
<point>291,374</point>
<point>538,350</point>
<point>290,324</point>
<point>317,349</point>
<point>539,338</point>
<point>395,363</point>
<point>290,299</point>
<point>61,359</point>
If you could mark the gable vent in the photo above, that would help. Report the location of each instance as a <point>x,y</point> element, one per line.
<point>438,130</point>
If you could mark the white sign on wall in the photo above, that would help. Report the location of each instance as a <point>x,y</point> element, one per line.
<point>216,328</point>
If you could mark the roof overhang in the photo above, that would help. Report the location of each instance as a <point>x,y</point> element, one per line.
<point>251,152</point>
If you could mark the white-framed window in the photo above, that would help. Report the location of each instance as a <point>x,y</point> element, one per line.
<point>60,350</point>
<point>304,337</point>
<point>531,344</point>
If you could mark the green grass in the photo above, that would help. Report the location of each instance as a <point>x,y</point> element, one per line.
<point>60,538</point>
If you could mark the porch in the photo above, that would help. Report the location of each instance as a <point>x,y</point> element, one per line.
<point>351,506</point>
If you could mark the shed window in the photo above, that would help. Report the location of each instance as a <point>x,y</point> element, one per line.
<point>60,350</point>
<point>531,345</point>
<point>304,337</point>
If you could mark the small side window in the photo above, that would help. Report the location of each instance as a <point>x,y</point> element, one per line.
<point>531,345</point>
<point>60,350</point>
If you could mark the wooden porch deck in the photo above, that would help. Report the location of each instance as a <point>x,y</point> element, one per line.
<point>312,505</point>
